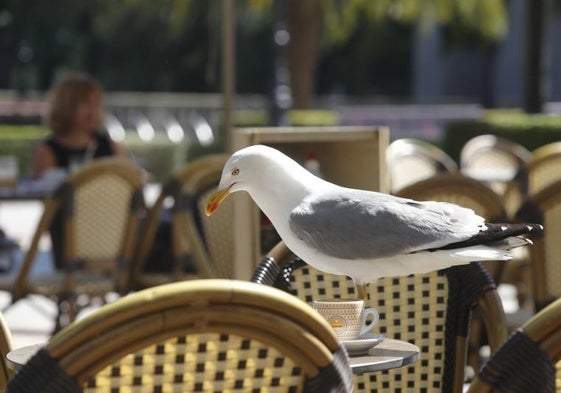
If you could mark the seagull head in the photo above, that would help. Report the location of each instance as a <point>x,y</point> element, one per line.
<point>257,169</point>
<point>243,169</point>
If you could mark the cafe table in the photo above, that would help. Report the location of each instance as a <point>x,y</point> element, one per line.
<point>386,355</point>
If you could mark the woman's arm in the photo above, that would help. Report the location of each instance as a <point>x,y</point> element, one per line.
<point>42,160</point>
<point>118,150</point>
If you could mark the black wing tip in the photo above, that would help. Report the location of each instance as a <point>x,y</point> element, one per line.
<point>497,232</point>
<point>535,227</point>
<point>516,229</point>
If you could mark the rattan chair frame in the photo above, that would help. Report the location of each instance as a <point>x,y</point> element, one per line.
<point>277,267</point>
<point>183,188</point>
<point>75,278</point>
<point>151,316</point>
<point>526,361</point>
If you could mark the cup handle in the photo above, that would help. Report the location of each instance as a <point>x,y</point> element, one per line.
<point>366,327</point>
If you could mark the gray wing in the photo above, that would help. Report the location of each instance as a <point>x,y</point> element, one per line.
<point>354,224</point>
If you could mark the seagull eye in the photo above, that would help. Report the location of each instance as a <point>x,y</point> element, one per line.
<point>235,171</point>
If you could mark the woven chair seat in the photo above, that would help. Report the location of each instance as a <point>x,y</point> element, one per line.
<point>230,363</point>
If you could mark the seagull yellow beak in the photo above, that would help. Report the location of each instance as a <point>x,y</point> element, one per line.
<point>215,199</point>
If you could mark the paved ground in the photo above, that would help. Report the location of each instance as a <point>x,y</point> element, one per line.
<point>30,320</point>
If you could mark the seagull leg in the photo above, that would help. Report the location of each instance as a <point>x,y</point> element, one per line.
<point>362,292</point>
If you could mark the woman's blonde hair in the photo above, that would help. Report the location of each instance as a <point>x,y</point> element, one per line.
<point>65,97</point>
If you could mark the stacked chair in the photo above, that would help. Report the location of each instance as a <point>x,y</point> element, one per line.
<point>211,335</point>
<point>430,310</point>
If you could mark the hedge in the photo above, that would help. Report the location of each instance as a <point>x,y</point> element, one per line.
<point>530,131</point>
<point>159,156</point>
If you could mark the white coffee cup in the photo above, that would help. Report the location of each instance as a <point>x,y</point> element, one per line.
<point>348,317</point>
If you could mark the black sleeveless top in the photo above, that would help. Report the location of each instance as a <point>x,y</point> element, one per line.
<point>65,156</point>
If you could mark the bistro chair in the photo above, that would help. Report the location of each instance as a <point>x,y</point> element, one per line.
<point>541,170</point>
<point>410,160</point>
<point>544,208</point>
<point>483,155</point>
<point>203,244</point>
<point>430,310</point>
<point>99,207</point>
<point>212,335</point>
<point>529,361</point>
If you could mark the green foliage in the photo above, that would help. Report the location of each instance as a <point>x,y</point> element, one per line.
<point>302,117</point>
<point>22,132</point>
<point>174,45</point>
<point>20,141</point>
<point>159,156</point>
<point>486,18</point>
<point>531,131</point>
<point>478,24</point>
<point>373,61</point>
<point>313,118</point>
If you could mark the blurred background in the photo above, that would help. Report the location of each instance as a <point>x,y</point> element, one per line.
<point>179,75</point>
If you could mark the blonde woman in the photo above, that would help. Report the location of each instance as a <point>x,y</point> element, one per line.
<point>74,118</point>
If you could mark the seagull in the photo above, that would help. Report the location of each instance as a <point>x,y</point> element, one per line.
<point>365,235</point>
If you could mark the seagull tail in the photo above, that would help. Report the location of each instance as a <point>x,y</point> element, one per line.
<point>480,253</point>
<point>424,262</point>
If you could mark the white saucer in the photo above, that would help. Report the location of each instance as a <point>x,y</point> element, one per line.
<point>361,345</point>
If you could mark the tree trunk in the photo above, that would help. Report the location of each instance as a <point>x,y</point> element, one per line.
<point>305,21</point>
<point>534,73</point>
